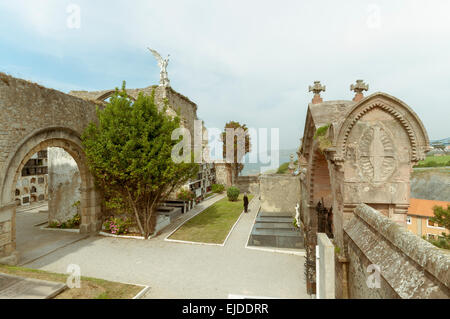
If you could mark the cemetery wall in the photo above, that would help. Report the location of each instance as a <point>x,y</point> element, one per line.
<point>409,267</point>
<point>279,193</point>
<point>249,184</point>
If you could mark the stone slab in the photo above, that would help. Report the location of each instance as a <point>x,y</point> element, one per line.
<point>266,225</point>
<point>15,287</point>
<point>287,220</point>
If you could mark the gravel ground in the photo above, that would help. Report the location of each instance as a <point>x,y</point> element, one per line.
<point>180,270</point>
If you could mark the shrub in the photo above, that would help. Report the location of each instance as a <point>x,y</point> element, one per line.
<point>217,188</point>
<point>117,225</point>
<point>283,169</point>
<point>53,224</point>
<point>186,195</point>
<point>321,131</point>
<point>233,193</point>
<point>74,222</point>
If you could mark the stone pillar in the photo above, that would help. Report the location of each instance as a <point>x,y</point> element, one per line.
<point>8,253</point>
<point>64,185</point>
<point>325,274</point>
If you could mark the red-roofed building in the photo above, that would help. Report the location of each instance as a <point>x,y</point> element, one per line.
<point>418,220</point>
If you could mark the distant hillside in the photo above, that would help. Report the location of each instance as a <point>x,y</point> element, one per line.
<point>255,168</point>
<point>431,183</point>
<point>445,141</point>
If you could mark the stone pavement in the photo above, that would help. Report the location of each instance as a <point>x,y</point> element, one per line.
<point>15,287</point>
<point>33,242</point>
<point>180,270</point>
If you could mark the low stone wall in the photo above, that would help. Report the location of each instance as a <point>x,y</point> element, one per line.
<point>249,184</point>
<point>409,267</point>
<point>325,273</point>
<point>279,193</point>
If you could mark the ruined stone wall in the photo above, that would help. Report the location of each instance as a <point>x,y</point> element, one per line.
<point>410,267</point>
<point>249,184</point>
<point>50,108</point>
<point>177,102</point>
<point>221,174</point>
<point>279,193</point>
<point>33,118</point>
<point>64,185</point>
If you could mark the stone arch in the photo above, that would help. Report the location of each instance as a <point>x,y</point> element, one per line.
<point>319,181</point>
<point>407,118</point>
<point>108,94</point>
<point>70,141</point>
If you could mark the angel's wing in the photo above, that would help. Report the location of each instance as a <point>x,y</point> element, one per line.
<point>157,56</point>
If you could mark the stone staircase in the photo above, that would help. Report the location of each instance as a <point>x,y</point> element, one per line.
<point>275,230</point>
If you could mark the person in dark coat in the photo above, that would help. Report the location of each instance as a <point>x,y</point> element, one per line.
<point>245,203</point>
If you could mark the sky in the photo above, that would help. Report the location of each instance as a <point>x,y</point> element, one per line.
<point>248,61</point>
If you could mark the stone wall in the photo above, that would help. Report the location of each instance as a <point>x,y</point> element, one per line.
<point>249,184</point>
<point>221,174</point>
<point>64,185</point>
<point>279,193</point>
<point>410,267</point>
<point>33,119</point>
<point>176,101</point>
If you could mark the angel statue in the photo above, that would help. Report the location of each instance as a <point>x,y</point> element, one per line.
<point>162,63</point>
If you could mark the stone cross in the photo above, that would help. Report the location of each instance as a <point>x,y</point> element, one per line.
<point>316,89</point>
<point>358,88</point>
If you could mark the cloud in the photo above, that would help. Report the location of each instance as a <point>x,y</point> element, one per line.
<point>250,61</point>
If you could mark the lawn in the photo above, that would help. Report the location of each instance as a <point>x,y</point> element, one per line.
<point>91,288</point>
<point>435,161</point>
<point>213,224</point>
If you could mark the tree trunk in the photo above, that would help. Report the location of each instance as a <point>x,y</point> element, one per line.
<point>136,213</point>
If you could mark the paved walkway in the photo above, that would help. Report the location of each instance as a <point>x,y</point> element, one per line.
<point>33,242</point>
<point>179,270</point>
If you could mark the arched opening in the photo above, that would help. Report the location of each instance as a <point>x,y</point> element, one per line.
<point>321,197</point>
<point>19,169</point>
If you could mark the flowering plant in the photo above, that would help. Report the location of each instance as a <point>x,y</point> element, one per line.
<point>117,225</point>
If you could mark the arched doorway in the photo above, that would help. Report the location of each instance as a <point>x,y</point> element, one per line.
<point>67,139</point>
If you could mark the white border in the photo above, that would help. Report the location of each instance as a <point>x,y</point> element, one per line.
<point>71,230</point>
<point>300,252</point>
<point>102,233</point>
<point>141,293</point>
<point>201,243</point>
<point>234,296</point>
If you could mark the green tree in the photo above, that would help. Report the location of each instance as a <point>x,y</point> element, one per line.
<point>240,142</point>
<point>442,218</point>
<point>129,154</point>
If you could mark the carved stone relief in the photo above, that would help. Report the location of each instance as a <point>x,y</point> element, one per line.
<point>376,154</point>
